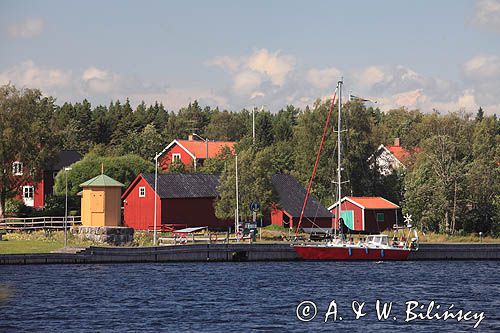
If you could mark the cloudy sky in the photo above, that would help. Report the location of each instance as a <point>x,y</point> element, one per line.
<point>442,55</point>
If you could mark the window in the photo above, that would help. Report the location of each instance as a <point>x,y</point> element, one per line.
<point>176,158</point>
<point>28,195</point>
<point>142,192</point>
<point>17,168</point>
<point>28,192</point>
<point>380,217</point>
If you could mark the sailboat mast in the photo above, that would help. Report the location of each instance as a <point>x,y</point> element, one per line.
<point>339,168</point>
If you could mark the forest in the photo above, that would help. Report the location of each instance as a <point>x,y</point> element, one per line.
<point>450,185</point>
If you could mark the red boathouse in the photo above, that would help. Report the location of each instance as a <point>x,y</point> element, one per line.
<point>286,212</point>
<point>367,214</point>
<point>185,200</point>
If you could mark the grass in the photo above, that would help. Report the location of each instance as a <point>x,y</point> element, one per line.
<point>37,242</point>
<point>431,237</point>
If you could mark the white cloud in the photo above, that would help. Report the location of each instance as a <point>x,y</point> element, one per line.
<point>225,62</point>
<point>370,76</point>
<point>482,67</point>
<point>482,74</point>
<point>180,97</point>
<point>250,72</point>
<point>27,28</point>
<point>102,82</point>
<point>246,82</point>
<point>273,65</point>
<point>323,78</point>
<point>487,15</point>
<point>27,74</point>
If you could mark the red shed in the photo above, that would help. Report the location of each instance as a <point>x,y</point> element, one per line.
<point>286,212</point>
<point>367,214</point>
<point>182,199</point>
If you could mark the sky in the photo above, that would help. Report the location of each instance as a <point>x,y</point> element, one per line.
<point>428,55</point>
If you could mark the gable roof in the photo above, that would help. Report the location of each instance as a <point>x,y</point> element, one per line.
<point>184,185</point>
<point>368,203</point>
<point>102,181</point>
<point>400,153</point>
<point>291,196</point>
<point>198,149</point>
<point>64,159</point>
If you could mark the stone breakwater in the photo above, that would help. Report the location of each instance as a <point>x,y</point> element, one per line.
<point>230,252</point>
<point>106,235</point>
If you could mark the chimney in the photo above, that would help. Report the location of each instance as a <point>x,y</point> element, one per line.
<point>190,137</point>
<point>397,142</point>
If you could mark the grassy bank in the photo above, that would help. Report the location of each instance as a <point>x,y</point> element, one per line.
<point>37,242</point>
<point>432,237</point>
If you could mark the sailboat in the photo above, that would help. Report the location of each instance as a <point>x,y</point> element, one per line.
<point>373,247</point>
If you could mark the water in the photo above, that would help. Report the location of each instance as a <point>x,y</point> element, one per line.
<point>242,297</point>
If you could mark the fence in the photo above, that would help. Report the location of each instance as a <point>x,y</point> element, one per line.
<point>38,223</point>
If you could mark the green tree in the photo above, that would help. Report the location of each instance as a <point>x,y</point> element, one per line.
<point>121,168</point>
<point>483,178</point>
<point>225,126</point>
<point>26,118</point>
<point>146,143</point>
<point>263,129</point>
<point>218,164</point>
<point>254,181</point>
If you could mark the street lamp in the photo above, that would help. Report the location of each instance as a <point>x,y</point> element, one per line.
<point>156,194</point>
<point>206,143</point>
<point>66,208</point>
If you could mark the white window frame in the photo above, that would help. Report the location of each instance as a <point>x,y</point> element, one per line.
<point>176,157</point>
<point>142,191</point>
<point>17,168</point>
<point>30,190</point>
<point>29,195</point>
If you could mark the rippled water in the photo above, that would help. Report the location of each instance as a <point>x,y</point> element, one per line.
<point>241,297</point>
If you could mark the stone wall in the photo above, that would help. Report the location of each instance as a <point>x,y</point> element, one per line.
<point>106,235</point>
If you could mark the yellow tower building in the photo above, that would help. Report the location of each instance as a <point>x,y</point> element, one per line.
<point>101,202</point>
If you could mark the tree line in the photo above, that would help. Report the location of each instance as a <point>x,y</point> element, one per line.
<point>451,182</point>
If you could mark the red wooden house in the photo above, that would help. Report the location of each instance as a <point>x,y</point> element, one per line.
<point>286,212</point>
<point>182,199</point>
<point>191,152</point>
<point>34,194</point>
<point>367,214</point>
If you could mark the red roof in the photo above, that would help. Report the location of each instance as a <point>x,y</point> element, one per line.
<point>373,202</point>
<point>199,148</point>
<point>399,152</point>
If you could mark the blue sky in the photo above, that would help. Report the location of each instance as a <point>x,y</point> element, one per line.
<point>442,55</point>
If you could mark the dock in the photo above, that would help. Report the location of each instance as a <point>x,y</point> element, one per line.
<point>229,252</point>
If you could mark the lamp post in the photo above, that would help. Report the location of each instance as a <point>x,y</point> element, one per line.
<point>206,143</point>
<point>156,194</point>
<point>66,207</point>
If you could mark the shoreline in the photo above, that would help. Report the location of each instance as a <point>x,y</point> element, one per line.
<point>232,252</point>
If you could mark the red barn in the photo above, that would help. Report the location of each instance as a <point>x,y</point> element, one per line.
<point>367,214</point>
<point>286,212</point>
<point>34,194</point>
<point>192,152</point>
<point>182,199</point>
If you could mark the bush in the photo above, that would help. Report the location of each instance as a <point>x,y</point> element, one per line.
<point>17,208</point>
<point>55,205</point>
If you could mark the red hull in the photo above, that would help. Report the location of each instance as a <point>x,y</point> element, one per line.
<point>313,252</point>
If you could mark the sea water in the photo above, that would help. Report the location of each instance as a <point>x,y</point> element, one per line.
<point>253,296</point>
